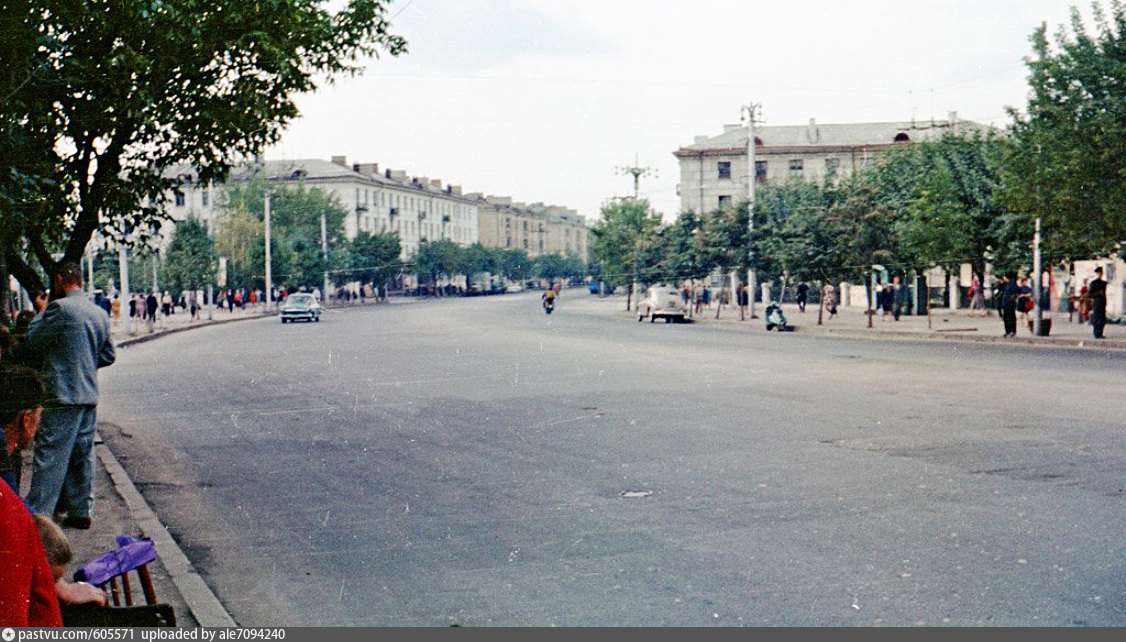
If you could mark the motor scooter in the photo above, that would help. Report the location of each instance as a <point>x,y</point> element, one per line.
<point>548,305</point>
<point>775,318</point>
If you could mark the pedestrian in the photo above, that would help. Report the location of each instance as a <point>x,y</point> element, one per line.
<point>116,308</point>
<point>802,296</point>
<point>151,305</point>
<point>743,299</point>
<point>829,299</point>
<point>884,299</point>
<point>977,297</point>
<point>1096,298</point>
<point>166,303</point>
<point>899,297</point>
<point>68,343</point>
<point>102,302</point>
<point>1007,301</point>
<point>1024,299</point>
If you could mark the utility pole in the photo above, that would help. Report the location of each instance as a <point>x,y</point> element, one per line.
<point>1036,320</point>
<point>324,251</point>
<point>750,113</point>
<point>123,266</point>
<point>269,281</point>
<point>211,257</point>
<point>637,172</point>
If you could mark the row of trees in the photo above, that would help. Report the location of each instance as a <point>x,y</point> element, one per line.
<point>971,198</point>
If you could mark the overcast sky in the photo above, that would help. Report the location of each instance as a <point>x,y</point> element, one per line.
<point>544,100</point>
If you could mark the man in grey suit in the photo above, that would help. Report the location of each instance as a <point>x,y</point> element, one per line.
<point>67,343</point>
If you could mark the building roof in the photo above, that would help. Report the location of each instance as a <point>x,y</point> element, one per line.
<point>831,135</point>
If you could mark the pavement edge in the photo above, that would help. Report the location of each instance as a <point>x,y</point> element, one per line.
<point>202,602</point>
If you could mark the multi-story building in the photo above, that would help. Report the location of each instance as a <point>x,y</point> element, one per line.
<point>714,170</point>
<point>536,228</point>
<point>420,209</point>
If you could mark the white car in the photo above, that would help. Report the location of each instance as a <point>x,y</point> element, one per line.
<point>663,302</point>
<point>301,306</point>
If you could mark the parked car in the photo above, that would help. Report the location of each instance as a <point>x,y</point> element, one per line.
<point>300,306</point>
<point>663,302</point>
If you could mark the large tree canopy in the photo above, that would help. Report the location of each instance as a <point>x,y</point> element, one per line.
<point>1070,157</point>
<point>99,98</point>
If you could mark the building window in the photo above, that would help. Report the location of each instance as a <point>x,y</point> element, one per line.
<point>725,202</point>
<point>760,171</point>
<point>832,165</point>
<point>796,167</point>
<point>723,170</point>
<point>180,199</point>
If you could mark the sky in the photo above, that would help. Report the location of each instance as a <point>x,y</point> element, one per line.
<point>551,101</point>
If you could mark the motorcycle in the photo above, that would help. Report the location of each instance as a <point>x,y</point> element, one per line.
<point>548,305</point>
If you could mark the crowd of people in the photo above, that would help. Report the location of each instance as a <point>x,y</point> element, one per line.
<point>48,374</point>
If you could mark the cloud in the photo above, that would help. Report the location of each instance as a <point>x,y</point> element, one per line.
<point>483,35</point>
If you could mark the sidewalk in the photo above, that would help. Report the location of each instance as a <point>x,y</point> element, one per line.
<point>942,324</point>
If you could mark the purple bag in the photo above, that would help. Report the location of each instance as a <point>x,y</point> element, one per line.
<point>130,554</point>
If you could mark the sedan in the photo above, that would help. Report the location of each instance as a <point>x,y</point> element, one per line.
<point>300,306</point>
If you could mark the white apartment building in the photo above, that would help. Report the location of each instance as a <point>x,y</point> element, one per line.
<point>420,209</point>
<point>714,170</point>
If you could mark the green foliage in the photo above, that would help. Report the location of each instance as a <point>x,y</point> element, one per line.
<point>618,239</point>
<point>296,253</point>
<point>436,259</point>
<point>375,258</point>
<point>948,202</point>
<point>1070,145</point>
<point>514,264</point>
<point>559,267</point>
<point>99,99</point>
<point>188,259</point>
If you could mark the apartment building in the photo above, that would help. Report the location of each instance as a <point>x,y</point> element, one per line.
<point>714,169</point>
<point>536,228</point>
<point>420,209</point>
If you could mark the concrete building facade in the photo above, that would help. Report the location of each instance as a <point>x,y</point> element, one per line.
<point>714,170</point>
<point>537,228</point>
<point>419,209</point>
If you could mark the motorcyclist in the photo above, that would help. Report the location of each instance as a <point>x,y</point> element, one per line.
<point>548,297</point>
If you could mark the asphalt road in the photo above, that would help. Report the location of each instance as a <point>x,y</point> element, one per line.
<point>476,462</point>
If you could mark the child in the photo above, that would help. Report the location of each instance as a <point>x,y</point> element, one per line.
<point>59,554</point>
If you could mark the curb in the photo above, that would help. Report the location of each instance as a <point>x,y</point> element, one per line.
<point>205,607</point>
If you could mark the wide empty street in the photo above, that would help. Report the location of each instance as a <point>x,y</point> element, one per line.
<point>477,462</point>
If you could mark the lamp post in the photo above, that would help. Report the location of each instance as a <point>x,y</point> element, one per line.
<point>269,279</point>
<point>750,113</point>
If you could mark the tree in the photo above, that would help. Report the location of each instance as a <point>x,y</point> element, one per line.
<point>725,235</point>
<point>682,253</point>
<point>188,260</point>
<point>1070,146</point>
<point>438,259</point>
<point>514,264</point>
<point>948,200</point>
<point>297,256</point>
<point>375,257</point>
<point>100,100</point>
<point>618,240</point>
